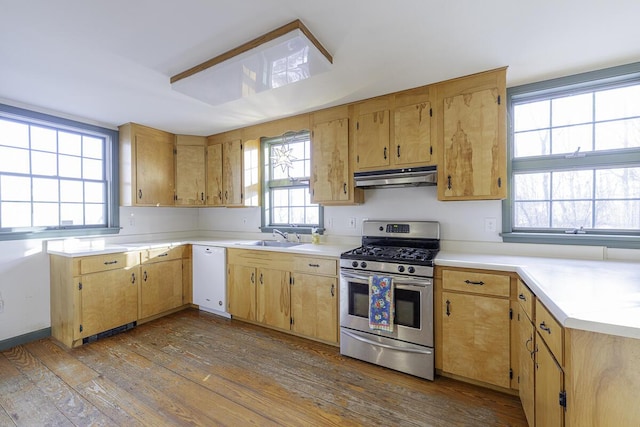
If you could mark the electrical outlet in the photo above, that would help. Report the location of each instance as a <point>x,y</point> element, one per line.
<point>490,225</point>
<point>132,220</point>
<point>244,219</point>
<point>330,224</point>
<point>352,222</point>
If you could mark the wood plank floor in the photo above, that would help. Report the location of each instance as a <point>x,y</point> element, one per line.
<point>193,368</point>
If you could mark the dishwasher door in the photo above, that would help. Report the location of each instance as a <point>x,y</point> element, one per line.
<point>210,279</point>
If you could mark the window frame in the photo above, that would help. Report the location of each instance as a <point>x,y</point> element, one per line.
<point>584,82</point>
<point>111,169</point>
<point>266,226</point>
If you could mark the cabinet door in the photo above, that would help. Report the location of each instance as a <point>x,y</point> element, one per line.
<point>273,298</point>
<point>474,153</point>
<point>412,130</point>
<point>526,336</point>
<point>215,188</point>
<point>475,335</point>
<point>330,180</point>
<point>372,140</point>
<point>314,306</point>
<point>107,300</point>
<point>160,287</point>
<point>190,175</point>
<point>154,170</point>
<point>549,380</point>
<point>241,291</point>
<point>232,173</point>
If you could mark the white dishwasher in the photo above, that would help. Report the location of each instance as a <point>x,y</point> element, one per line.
<point>210,279</point>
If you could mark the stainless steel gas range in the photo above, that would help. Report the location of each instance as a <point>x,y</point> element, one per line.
<point>403,252</point>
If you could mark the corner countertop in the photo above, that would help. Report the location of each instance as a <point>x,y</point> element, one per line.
<point>597,296</point>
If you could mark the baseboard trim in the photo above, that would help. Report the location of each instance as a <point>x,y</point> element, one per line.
<point>24,339</point>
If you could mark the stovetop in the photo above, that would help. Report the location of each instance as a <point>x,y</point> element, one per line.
<point>396,254</point>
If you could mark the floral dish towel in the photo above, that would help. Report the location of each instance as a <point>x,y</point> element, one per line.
<point>381,303</point>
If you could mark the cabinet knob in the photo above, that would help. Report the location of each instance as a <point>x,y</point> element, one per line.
<point>140,194</point>
<point>522,297</point>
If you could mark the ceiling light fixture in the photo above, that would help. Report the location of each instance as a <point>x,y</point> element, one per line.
<point>283,56</point>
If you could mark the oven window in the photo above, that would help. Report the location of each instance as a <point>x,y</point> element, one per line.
<point>407,304</point>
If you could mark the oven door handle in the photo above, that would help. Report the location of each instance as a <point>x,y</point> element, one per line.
<point>390,347</point>
<point>398,282</point>
<point>350,275</point>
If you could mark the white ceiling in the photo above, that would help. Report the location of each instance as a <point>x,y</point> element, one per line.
<point>109,61</point>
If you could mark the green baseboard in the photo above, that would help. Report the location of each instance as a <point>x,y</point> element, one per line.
<point>23,339</point>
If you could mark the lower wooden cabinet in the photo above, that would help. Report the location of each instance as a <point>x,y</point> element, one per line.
<point>241,291</point>
<point>526,342</point>
<point>160,287</point>
<point>549,383</point>
<point>273,303</point>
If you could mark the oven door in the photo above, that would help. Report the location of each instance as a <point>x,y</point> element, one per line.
<point>413,303</point>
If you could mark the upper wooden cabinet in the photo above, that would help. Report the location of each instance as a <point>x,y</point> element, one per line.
<point>190,170</point>
<point>331,169</point>
<point>147,173</point>
<point>471,112</point>
<point>371,134</point>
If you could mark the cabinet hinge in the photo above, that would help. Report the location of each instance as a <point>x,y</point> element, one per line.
<point>80,328</point>
<point>562,399</point>
<point>510,373</point>
<point>498,99</point>
<point>291,280</point>
<point>358,158</point>
<point>430,112</point>
<point>175,151</point>
<point>511,313</point>
<point>79,286</point>
<point>291,321</point>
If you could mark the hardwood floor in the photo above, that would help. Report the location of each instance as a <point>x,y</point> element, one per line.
<point>199,369</point>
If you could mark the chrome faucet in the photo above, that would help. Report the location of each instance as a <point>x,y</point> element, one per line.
<point>284,235</point>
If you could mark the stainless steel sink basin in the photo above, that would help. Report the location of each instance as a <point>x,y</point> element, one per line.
<point>271,243</point>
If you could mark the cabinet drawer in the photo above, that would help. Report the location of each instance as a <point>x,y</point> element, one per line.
<point>97,263</point>
<point>526,299</point>
<point>161,254</point>
<point>327,267</point>
<point>550,331</point>
<point>480,283</point>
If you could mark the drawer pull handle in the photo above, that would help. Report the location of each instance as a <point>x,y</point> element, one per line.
<point>164,254</point>
<point>110,262</point>
<point>144,276</point>
<point>448,308</point>
<point>314,265</point>
<point>333,290</point>
<point>522,297</point>
<point>544,327</point>
<point>470,282</point>
<point>133,278</point>
<point>526,344</point>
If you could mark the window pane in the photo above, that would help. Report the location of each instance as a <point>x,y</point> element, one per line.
<point>43,139</point>
<point>572,185</point>
<point>45,190</point>
<point>70,166</point>
<point>281,216</point>
<point>571,214</point>
<point>71,214</point>
<point>571,110</point>
<point>533,115</point>
<point>15,188</point>
<point>618,103</point>
<point>15,215</point>
<point>71,191</point>
<point>532,186</point>
<point>531,214</point>
<point>618,134</point>
<point>297,196</point>
<point>14,160</point>
<point>14,134</point>
<point>622,183</point>
<point>94,192</point>
<point>94,214</point>
<point>618,215</point>
<point>45,215</point>
<point>92,169</point>
<point>44,163</point>
<point>92,147</point>
<point>69,143</point>
<point>532,143</point>
<point>569,139</point>
<point>312,215</point>
<point>297,215</point>
<point>280,197</point>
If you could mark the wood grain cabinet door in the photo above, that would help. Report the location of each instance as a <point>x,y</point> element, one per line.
<point>314,306</point>
<point>160,287</point>
<point>412,135</point>
<point>215,188</point>
<point>241,291</point>
<point>549,380</point>
<point>155,171</point>
<point>526,341</point>
<point>372,140</point>
<point>330,162</point>
<point>190,175</point>
<point>232,173</point>
<point>273,303</point>
<point>475,335</point>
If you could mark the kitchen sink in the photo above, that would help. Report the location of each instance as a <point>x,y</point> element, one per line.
<point>271,243</point>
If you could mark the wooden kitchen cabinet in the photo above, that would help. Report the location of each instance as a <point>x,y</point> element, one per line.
<point>331,170</point>
<point>147,169</point>
<point>273,301</point>
<point>371,134</point>
<point>411,128</point>
<point>190,170</point>
<point>241,290</point>
<point>161,287</point>
<point>92,294</point>
<point>476,326</point>
<point>471,113</point>
<point>549,382</point>
<point>314,298</point>
<point>526,341</point>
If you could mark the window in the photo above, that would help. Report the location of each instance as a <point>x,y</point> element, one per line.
<point>575,160</point>
<point>287,203</point>
<point>55,176</point>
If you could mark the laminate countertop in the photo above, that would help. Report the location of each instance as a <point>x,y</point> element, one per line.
<point>597,296</point>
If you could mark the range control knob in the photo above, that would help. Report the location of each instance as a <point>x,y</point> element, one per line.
<point>401,268</point>
<point>354,264</point>
<point>363,264</point>
<point>412,270</point>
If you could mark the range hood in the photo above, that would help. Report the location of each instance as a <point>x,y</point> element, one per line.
<point>407,177</point>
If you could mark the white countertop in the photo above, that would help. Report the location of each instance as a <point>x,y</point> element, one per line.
<point>597,296</point>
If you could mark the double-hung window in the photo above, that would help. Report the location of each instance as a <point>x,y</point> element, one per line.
<point>575,160</point>
<point>56,176</point>
<point>287,166</point>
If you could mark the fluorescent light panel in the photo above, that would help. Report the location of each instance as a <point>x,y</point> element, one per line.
<point>284,56</point>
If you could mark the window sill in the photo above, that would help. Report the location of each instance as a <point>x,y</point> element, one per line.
<point>608,240</point>
<point>49,234</point>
